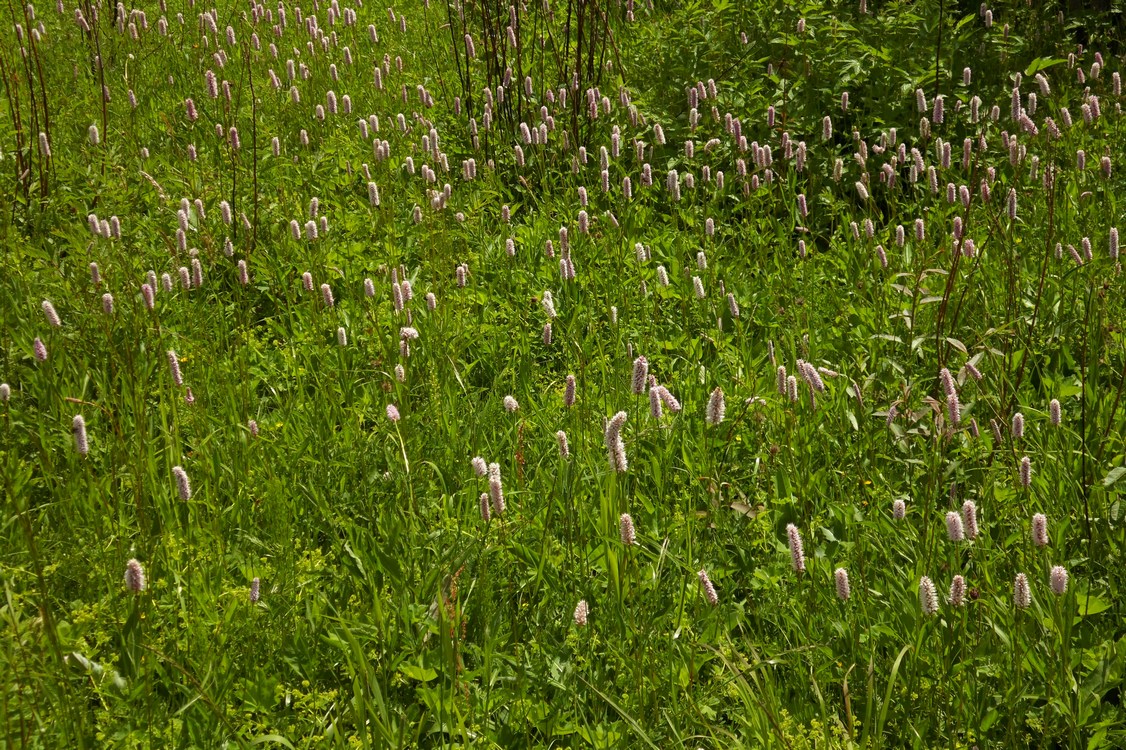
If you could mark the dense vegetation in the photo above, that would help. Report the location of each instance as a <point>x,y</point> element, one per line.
<point>571,373</point>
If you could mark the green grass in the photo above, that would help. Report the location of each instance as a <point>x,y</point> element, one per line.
<point>391,614</point>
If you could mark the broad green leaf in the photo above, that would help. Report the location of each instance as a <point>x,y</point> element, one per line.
<point>1114,475</point>
<point>417,672</point>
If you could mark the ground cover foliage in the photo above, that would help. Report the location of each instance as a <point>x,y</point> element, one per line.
<point>568,373</point>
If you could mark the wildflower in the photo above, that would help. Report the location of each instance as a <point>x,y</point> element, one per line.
<point>183,486</point>
<point>843,589</point>
<point>5,393</point>
<point>954,528</point>
<point>928,597</point>
<point>1022,595</point>
<point>174,366</point>
<point>899,509</point>
<point>797,555</point>
<point>615,448</point>
<point>668,399</point>
<point>548,303</point>
<point>1040,530</point>
<point>397,296</point>
<point>732,305</point>
<point>709,589</point>
<point>792,389</point>
<point>1059,580</point>
<point>569,392</point>
<point>780,380</point>
<point>640,373</point>
<point>255,590</point>
<point>243,273</point>
<point>655,409</point>
<point>900,235</point>
<point>483,501</point>
<point>1025,472</point>
<point>52,316</point>
<point>1075,254</point>
<point>672,183</point>
<point>957,591</point>
<point>79,428</point>
<point>811,376</point>
<point>953,408</point>
<point>716,407</point>
<point>1054,412</point>
<point>566,269</point>
<point>582,612</point>
<point>392,412</point>
<point>134,576</point>
<point>625,525</point>
<point>564,449</point>
<point>1018,425</point>
<point>480,468</point>
<point>698,286</point>
<point>510,404</point>
<point>969,519</point>
<point>40,349</point>
<point>496,490</point>
<point>326,295</point>
<point>947,381</point>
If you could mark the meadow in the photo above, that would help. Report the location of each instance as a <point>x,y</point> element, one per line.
<point>567,373</point>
